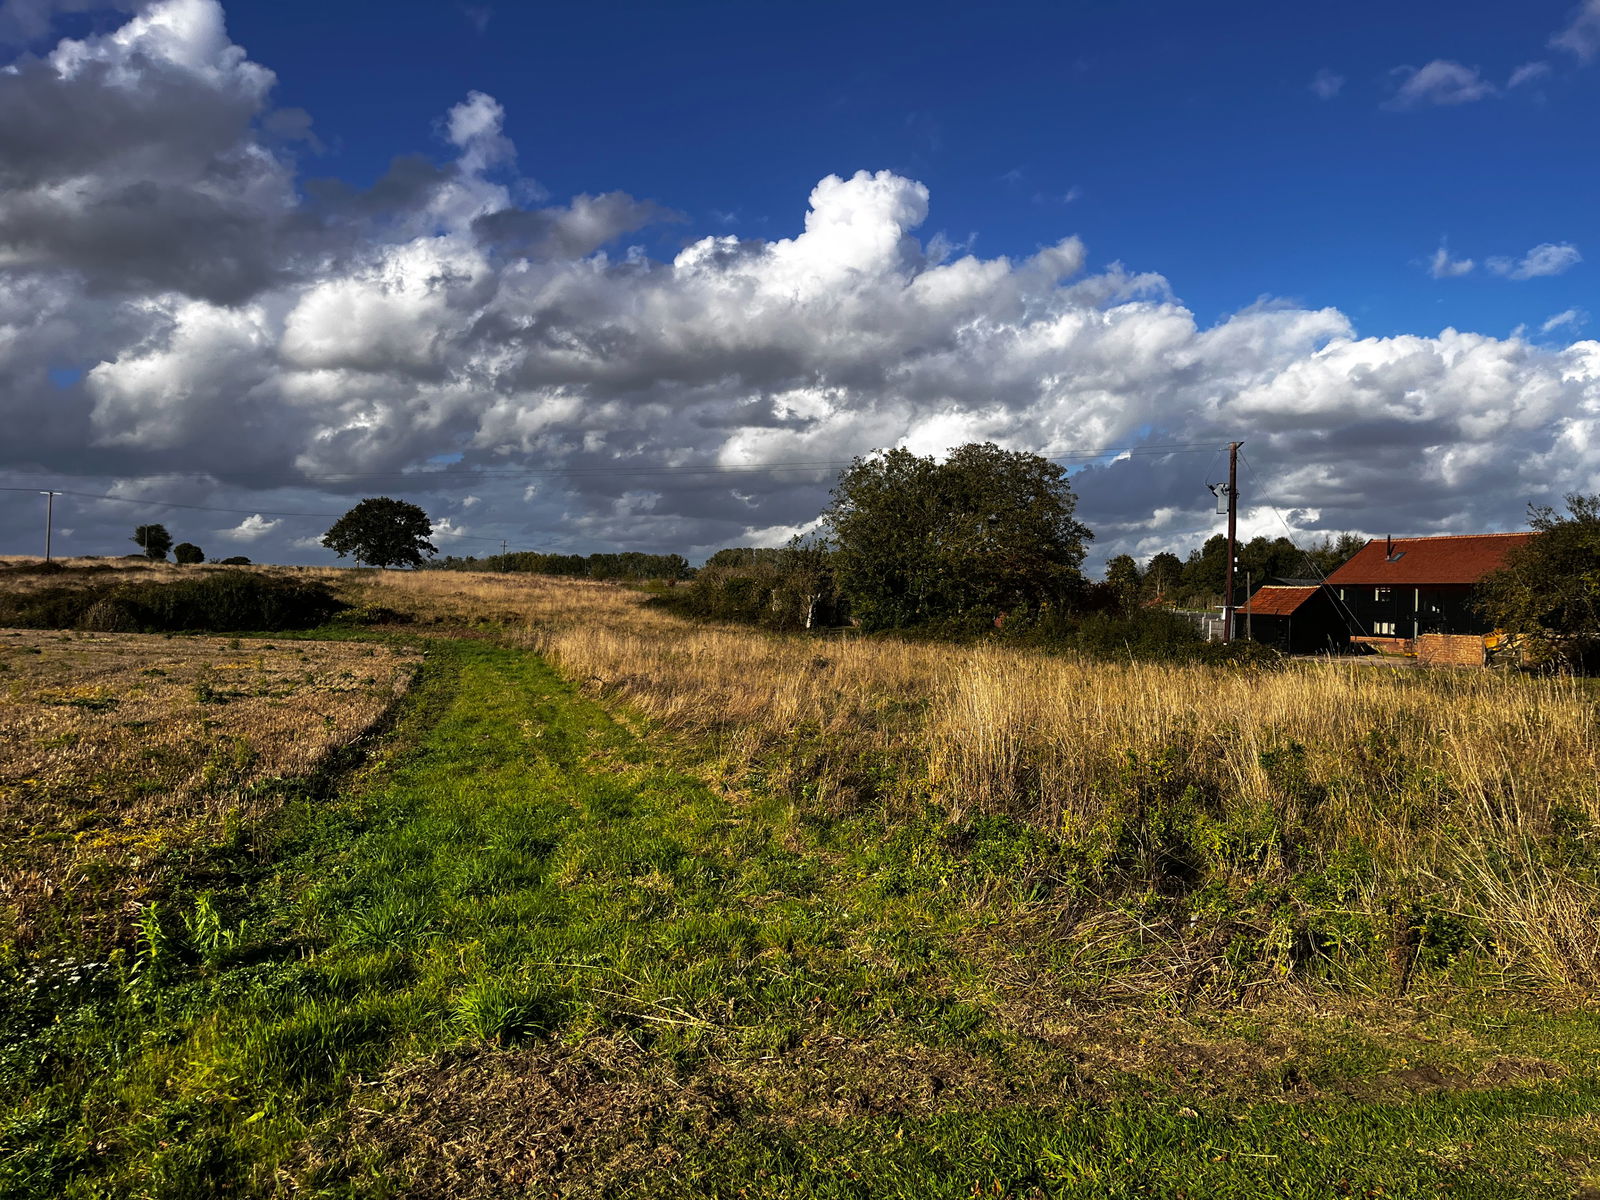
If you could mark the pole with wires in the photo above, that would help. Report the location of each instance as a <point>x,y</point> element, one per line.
<point>1227,495</point>
<point>49,519</point>
<point>1233,538</point>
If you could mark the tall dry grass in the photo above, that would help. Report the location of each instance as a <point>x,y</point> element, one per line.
<point>1478,790</point>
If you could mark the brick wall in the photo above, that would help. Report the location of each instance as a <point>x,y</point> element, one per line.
<point>1387,645</point>
<point>1450,650</point>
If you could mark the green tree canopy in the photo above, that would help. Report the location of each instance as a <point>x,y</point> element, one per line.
<point>1331,553</point>
<point>1122,575</point>
<point>985,532</point>
<point>1163,574</point>
<point>1548,591</point>
<point>382,533</point>
<point>154,540</point>
<point>187,553</point>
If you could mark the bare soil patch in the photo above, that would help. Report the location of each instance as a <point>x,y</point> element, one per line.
<point>580,1119</point>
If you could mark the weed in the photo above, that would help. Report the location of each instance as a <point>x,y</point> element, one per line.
<point>504,1010</point>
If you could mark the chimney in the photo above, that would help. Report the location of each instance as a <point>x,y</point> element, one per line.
<point>1388,546</point>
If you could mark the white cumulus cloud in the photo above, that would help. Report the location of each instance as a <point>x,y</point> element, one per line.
<point>1547,258</point>
<point>1572,318</point>
<point>1442,266</point>
<point>1581,37</point>
<point>252,528</point>
<point>1440,82</point>
<point>1527,73</point>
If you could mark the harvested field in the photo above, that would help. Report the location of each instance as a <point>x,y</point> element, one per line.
<point>118,749</point>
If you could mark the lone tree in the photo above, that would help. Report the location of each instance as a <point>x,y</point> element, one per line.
<point>154,540</point>
<point>1122,576</point>
<point>187,553</point>
<point>1548,591</point>
<point>383,533</point>
<point>987,531</point>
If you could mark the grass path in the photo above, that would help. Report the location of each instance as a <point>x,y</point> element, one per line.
<point>529,954</point>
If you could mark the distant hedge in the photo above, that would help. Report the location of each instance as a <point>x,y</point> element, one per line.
<point>215,601</point>
<point>629,565</point>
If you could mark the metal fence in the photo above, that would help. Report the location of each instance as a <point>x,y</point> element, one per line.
<point>1210,624</point>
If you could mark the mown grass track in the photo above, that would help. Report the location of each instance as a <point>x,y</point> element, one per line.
<point>529,955</point>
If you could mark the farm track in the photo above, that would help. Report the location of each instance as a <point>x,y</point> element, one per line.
<point>529,954</point>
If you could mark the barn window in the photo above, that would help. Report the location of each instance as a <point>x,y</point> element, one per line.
<point>1383,628</point>
<point>1381,595</point>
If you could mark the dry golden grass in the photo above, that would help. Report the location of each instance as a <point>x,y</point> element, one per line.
<point>118,748</point>
<point>1454,782</point>
<point>20,573</point>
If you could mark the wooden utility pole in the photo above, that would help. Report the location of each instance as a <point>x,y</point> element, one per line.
<point>1233,538</point>
<point>49,519</point>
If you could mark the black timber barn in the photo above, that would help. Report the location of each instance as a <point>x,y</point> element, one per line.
<point>1406,587</point>
<point>1390,594</point>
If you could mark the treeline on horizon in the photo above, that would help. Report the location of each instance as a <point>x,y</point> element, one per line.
<point>1133,611</point>
<point>629,565</point>
<point>985,542</point>
<point>1164,579</point>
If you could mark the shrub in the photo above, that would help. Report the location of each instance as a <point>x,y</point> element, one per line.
<point>219,600</point>
<point>787,588</point>
<point>109,616</point>
<point>187,554</point>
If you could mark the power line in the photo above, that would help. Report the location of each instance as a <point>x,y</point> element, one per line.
<point>1349,617</point>
<point>423,476</point>
<point>247,512</point>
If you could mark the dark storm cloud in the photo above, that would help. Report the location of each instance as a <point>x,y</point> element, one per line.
<point>571,231</point>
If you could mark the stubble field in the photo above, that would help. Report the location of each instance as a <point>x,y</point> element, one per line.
<point>122,750</point>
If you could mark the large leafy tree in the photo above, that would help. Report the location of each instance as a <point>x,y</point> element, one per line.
<point>1548,591</point>
<point>383,533</point>
<point>154,540</point>
<point>985,532</point>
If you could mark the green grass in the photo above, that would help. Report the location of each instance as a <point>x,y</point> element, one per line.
<point>525,951</point>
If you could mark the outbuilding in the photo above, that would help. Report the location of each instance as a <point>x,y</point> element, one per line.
<point>1420,595</point>
<point>1298,616</point>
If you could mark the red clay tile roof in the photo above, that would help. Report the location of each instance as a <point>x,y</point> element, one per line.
<point>1273,601</point>
<point>1466,558</point>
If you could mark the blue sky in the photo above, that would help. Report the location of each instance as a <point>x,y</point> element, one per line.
<point>267,258</point>
<point>1188,136</point>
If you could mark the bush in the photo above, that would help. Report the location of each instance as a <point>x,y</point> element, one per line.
<point>187,554</point>
<point>237,560</point>
<point>216,601</point>
<point>788,588</point>
<point>1143,635</point>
